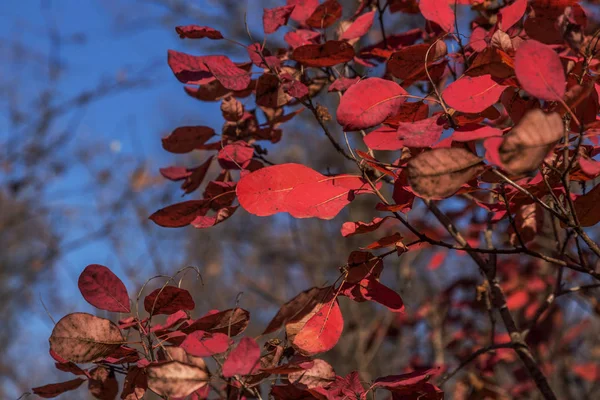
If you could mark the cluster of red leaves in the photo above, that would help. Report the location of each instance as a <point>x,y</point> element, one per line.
<point>172,358</point>
<point>509,117</point>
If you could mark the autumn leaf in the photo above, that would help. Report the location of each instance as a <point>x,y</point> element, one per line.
<point>175,379</point>
<point>540,71</point>
<point>82,337</point>
<point>439,173</point>
<point>322,331</point>
<point>103,289</point>
<point>198,32</point>
<point>438,11</point>
<point>243,359</point>
<point>473,94</point>
<point>327,54</point>
<point>168,300</point>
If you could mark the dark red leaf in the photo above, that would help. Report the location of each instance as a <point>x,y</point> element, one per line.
<point>55,389</point>
<point>373,290</point>
<point>103,289</point>
<point>356,228</point>
<point>198,32</point>
<point>187,138</point>
<point>328,54</point>
<point>168,300</point>
<point>325,15</point>
<point>303,9</point>
<point>231,322</point>
<point>180,214</point>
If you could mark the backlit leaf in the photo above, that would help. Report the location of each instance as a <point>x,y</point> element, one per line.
<point>368,103</point>
<point>297,308</point>
<point>82,337</point>
<point>243,359</point>
<point>203,344</point>
<point>359,27</point>
<point>274,18</point>
<point>540,71</point>
<point>103,289</point>
<point>439,173</point>
<point>322,331</point>
<point>438,11</point>
<point>473,94</point>
<point>175,379</point>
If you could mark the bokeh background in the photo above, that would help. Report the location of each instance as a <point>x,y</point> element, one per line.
<point>85,96</point>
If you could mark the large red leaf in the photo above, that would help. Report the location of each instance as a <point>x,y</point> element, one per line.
<point>359,27</point>
<point>103,289</point>
<point>56,389</point>
<point>187,138</point>
<point>438,11</point>
<point>384,138</point>
<point>322,331</point>
<point>203,344</point>
<point>243,360</point>
<point>274,18</point>
<point>298,307</point>
<point>298,190</point>
<point>328,54</point>
<point>168,300</point>
<point>540,71</point>
<point>369,103</point>
<point>473,94</point>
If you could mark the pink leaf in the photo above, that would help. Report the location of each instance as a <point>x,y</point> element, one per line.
<point>236,155</point>
<point>303,9</point>
<point>510,15</point>
<point>423,133</point>
<point>438,11</point>
<point>359,27</point>
<point>369,103</point>
<point>540,71</point>
<point>103,289</point>
<point>274,18</point>
<point>243,360</point>
<point>384,138</point>
<point>473,94</point>
<point>202,344</point>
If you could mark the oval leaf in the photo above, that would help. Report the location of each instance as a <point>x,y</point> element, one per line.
<point>327,54</point>
<point>202,344</point>
<point>56,389</point>
<point>174,379</point>
<point>540,71</point>
<point>322,331</point>
<point>473,94</point>
<point>369,103</point>
<point>82,337</point>
<point>103,289</point>
<point>168,300</point>
<point>243,360</point>
<point>439,173</point>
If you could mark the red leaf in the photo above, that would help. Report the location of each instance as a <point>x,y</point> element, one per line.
<point>357,228</point>
<point>342,83</point>
<point>300,37</point>
<point>510,15</point>
<point>540,71</point>
<point>103,289</point>
<point>422,133</point>
<point>202,344</point>
<point>328,54</point>
<point>56,389</point>
<point>373,290</point>
<point>322,331</point>
<point>243,360</point>
<point>325,15</point>
<point>438,11</point>
<point>408,63</point>
<point>473,94</point>
<point>476,134</point>
<point>303,10</point>
<point>227,72</point>
<point>204,221</point>
<point>232,322</point>
<point>175,173</point>
<point>298,190</point>
<point>298,307</point>
<point>590,167</point>
<point>274,18</point>
<point>198,32</point>
<point>187,138</point>
<point>369,103</point>
<point>414,378</point>
<point>408,112</point>
<point>168,300</point>
<point>384,138</point>
<point>236,155</point>
<point>180,214</point>
<point>359,27</point>
<point>387,241</point>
